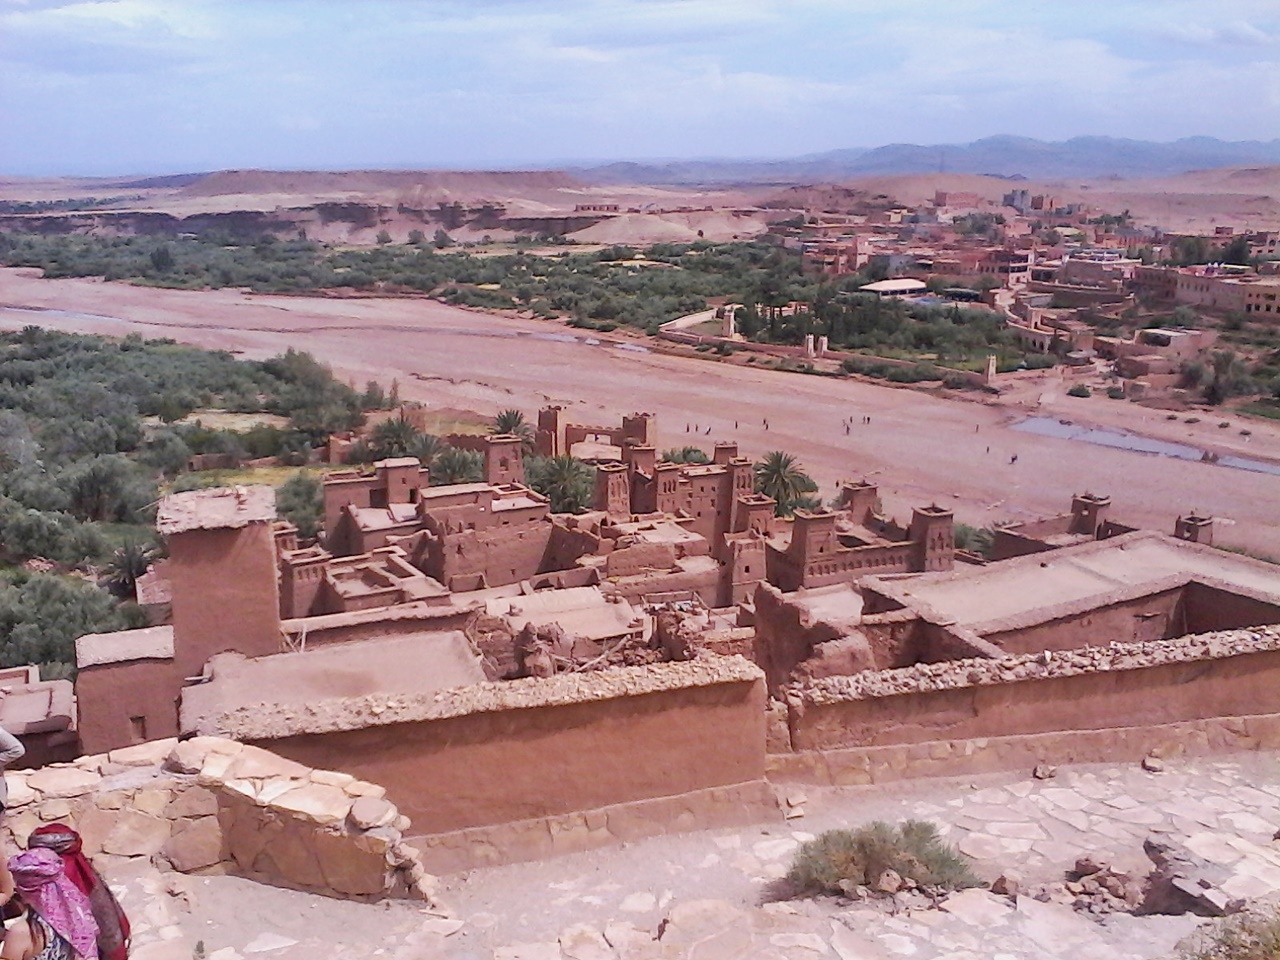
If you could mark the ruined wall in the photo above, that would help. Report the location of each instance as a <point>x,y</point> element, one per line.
<point>786,636</point>
<point>524,750</point>
<point>213,805</point>
<point>704,581</point>
<point>1139,684</point>
<point>501,555</point>
<point>126,703</point>
<point>1151,617</point>
<point>639,558</point>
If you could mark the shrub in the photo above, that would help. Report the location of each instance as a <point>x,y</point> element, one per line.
<point>840,858</point>
<point>1115,393</point>
<point>1246,936</point>
<point>1079,390</point>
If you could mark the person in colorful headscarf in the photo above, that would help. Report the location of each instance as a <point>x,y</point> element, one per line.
<point>113,925</point>
<point>59,921</point>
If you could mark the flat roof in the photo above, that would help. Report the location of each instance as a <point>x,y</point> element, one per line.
<point>981,597</point>
<point>381,518</point>
<point>904,285</point>
<point>148,643</point>
<point>581,612</point>
<point>407,664</point>
<point>219,508</point>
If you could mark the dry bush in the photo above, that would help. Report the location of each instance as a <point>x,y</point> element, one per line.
<point>858,857</point>
<point>1254,935</point>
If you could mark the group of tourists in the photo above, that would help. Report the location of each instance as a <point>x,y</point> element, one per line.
<point>56,905</point>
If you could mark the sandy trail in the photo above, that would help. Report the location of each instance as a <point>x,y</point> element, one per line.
<point>920,448</point>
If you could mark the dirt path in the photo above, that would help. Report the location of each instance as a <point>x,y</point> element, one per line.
<point>919,448</point>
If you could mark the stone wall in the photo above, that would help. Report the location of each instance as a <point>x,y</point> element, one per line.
<point>209,805</point>
<point>1233,673</point>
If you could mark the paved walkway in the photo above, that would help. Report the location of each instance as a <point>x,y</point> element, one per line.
<point>708,887</point>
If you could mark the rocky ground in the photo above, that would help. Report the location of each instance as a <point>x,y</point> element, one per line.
<point>704,896</point>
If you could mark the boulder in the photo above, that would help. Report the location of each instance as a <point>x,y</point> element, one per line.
<point>890,881</point>
<point>136,834</point>
<point>368,813</point>
<point>1008,884</point>
<point>62,781</point>
<point>316,802</point>
<point>195,845</point>
<point>150,754</point>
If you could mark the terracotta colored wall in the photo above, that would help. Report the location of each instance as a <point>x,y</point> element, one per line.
<point>490,768</point>
<point>1207,608</point>
<point>1153,617</point>
<point>705,583</point>
<point>1167,693</point>
<point>109,694</point>
<point>224,594</point>
<point>639,558</point>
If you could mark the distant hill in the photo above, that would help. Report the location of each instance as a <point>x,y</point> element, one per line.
<point>1002,156</point>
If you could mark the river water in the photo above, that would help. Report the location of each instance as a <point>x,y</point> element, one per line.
<point>1120,440</point>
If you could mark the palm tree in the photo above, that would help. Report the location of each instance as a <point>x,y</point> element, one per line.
<point>128,563</point>
<point>393,437</point>
<point>426,448</point>
<point>569,483</point>
<point>452,465</point>
<point>513,423</point>
<point>779,475</point>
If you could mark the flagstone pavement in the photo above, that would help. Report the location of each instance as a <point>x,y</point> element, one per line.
<point>702,896</point>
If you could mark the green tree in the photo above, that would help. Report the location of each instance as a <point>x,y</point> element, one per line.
<point>162,259</point>
<point>393,437</point>
<point>166,452</point>
<point>779,475</point>
<point>41,616</point>
<point>512,423</point>
<point>1228,377</point>
<point>689,454</point>
<point>300,500</point>
<point>452,465</point>
<point>569,483</point>
<point>426,448</point>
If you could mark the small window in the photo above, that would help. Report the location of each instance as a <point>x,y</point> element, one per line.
<point>138,729</point>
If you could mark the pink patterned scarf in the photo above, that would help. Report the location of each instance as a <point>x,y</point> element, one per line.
<point>39,876</point>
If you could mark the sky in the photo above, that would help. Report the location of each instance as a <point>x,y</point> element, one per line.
<point>165,86</point>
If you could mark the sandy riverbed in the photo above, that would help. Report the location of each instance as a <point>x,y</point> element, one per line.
<point>919,448</point>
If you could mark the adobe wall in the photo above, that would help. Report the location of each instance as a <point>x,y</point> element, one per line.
<point>225,595</point>
<point>527,750</point>
<point>706,583</point>
<point>1208,607</point>
<point>501,555</point>
<point>857,766</point>
<point>1150,617</point>
<point>209,805</point>
<point>640,558</point>
<point>1130,685</point>
<point>109,695</point>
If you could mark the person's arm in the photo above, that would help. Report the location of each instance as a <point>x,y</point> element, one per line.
<point>11,748</point>
<point>17,941</point>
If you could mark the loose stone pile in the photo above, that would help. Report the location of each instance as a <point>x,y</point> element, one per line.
<point>1040,666</point>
